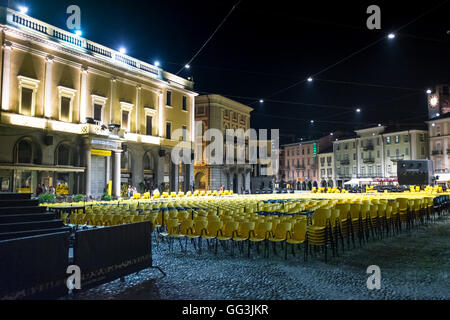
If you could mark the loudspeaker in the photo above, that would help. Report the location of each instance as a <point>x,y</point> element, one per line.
<point>48,140</point>
<point>162,152</point>
<point>124,147</point>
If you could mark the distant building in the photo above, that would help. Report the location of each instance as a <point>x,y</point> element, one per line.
<point>299,165</point>
<point>439,130</point>
<point>76,115</point>
<point>218,112</point>
<point>327,174</point>
<point>371,156</point>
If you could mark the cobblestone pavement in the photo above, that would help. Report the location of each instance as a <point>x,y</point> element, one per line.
<point>413,265</point>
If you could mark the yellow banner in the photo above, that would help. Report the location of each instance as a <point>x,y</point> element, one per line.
<point>98,152</point>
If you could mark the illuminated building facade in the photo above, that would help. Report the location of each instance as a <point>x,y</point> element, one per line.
<point>76,115</point>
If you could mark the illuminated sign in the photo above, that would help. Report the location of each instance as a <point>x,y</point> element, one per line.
<point>97,152</point>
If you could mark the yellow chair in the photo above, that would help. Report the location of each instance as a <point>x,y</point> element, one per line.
<point>297,236</point>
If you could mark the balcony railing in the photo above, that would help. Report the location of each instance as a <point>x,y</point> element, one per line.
<point>368,147</point>
<point>24,22</point>
<point>369,160</point>
<point>436,152</point>
<point>345,162</point>
<point>368,175</point>
<point>397,158</point>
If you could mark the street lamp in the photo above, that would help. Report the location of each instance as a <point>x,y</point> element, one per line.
<point>122,50</point>
<point>391,36</point>
<point>23,9</point>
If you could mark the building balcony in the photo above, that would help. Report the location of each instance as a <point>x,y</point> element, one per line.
<point>436,152</point>
<point>368,175</point>
<point>368,147</point>
<point>345,162</point>
<point>397,158</point>
<point>369,160</point>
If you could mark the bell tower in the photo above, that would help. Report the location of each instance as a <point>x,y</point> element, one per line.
<point>439,101</point>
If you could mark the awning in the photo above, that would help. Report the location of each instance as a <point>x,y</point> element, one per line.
<point>357,181</point>
<point>443,177</point>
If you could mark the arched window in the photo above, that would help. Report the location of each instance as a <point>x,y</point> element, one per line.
<point>63,155</point>
<point>24,152</point>
<point>148,162</point>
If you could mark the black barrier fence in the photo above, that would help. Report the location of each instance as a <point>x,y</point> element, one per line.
<point>34,267</point>
<point>104,256</point>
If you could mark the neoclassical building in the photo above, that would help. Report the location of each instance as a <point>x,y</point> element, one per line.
<point>372,155</point>
<point>218,112</point>
<point>78,116</point>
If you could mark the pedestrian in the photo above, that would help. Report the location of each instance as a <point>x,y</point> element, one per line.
<point>38,190</point>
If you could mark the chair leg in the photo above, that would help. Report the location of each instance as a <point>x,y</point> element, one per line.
<point>285,251</point>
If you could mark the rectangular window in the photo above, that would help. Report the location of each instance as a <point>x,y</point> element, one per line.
<point>423,150</point>
<point>406,151</point>
<point>201,110</point>
<point>406,138</point>
<point>388,140</point>
<point>354,156</point>
<point>97,112</point>
<point>184,133</point>
<point>378,141</point>
<point>388,152</point>
<point>184,106</point>
<point>168,130</point>
<point>65,109</point>
<point>396,139</point>
<point>378,153</point>
<point>168,98</point>
<point>148,125</point>
<point>27,98</point>
<point>125,117</point>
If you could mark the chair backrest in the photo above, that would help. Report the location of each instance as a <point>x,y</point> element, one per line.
<point>355,209</point>
<point>199,226</point>
<point>213,227</point>
<point>245,228</point>
<point>321,216</point>
<point>230,228</point>
<point>282,229</point>
<point>299,231</point>
<point>186,226</point>
<point>172,226</point>
<point>335,214</point>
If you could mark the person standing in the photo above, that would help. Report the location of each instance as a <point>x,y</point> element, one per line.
<point>38,190</point>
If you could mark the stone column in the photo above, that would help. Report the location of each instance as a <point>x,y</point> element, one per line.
<point>174,178</point>
<point>6,75</point>
<point>48,87</point>
<point>116,178</point>
<point>383,158</point>
<point>87,172</point>
<point>108,169</point>
<point>83,95</point>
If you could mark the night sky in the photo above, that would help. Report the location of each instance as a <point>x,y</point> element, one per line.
<point>265,47</point>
